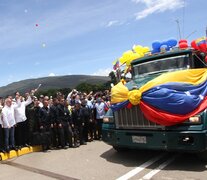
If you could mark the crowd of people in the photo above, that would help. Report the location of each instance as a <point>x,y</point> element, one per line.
<point>65,121</point>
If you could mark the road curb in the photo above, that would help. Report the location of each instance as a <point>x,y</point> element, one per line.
<point>22,151</point>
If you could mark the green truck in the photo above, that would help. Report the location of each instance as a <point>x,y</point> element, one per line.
<point>129,129</point>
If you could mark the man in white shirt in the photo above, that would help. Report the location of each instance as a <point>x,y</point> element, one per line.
<point>8,121</point>
<point>20,118</point>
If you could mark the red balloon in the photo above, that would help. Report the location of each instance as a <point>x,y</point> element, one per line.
<point>194,45</point>
<point>202,47</point>
<point>183,41</point>
<point>183,45</point>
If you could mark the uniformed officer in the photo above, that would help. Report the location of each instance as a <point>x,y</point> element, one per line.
<point>78,124</point>
<point>54,119</point>
<point>64,124</point>
<point>87,116</point>
<point>45,125</point>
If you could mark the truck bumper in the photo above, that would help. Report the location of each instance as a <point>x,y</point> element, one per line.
<point>188,141</point>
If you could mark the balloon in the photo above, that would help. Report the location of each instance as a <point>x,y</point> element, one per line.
<point>36,25</point>
<point>183,45</point>
<point>154,51</point>
<point>126,57</point>
<point>122,60</point>
<point>172,42</point>
<point>183,41</point>
<point>163,48</point>
<point>128,62</point>
<point>202,47</point>
<point>145,49</point>
<point>156,45</point>
<point>137,48</point>
<point>127,54</point>
<point>193,45</point>
<point>163,43</point>
<point>137,55</point>
<point>201,44</point>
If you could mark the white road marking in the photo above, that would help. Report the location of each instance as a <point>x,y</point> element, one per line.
<point>141,167</point>
<point>159,168</point>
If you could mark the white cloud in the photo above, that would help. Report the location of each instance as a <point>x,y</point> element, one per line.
<point>102,72</point>
<point>112,23</point>
<point>51,74</point>
<point>157,6</point>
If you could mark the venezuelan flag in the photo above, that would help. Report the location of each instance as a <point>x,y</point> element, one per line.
<point>169,99</point>
<point>116,64</point>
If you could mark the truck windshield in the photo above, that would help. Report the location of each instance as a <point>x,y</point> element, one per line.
<point>161,65</point>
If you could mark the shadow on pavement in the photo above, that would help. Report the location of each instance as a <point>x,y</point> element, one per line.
<point>130,157</point>
<point>134,158</point>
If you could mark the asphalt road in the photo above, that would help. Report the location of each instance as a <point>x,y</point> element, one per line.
<point>97,161</point>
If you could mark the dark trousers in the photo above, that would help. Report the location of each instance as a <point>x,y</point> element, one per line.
<point>45,134</point>
<point>65,134</point>
<point>86,131</point>
<point>9,138</point>
<point>99,123</point>
<point>19,138</point>
<point>78,134</point>
<point>92,130</point>
<point>54,135</point>
<point>1,138</point>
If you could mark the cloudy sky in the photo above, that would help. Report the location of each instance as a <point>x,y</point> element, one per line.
<point>51,37</point>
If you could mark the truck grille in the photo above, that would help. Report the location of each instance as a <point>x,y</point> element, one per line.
<point>133,118</point>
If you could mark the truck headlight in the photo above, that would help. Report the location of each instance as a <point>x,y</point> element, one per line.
<point>106,120</point>
<point>195,119</point>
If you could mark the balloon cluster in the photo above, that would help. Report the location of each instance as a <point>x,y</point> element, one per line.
<point>137,52</point>
<point>200,44</point>
<point>158,46</point>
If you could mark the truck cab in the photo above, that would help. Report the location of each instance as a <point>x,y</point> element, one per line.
<point>129,128</point>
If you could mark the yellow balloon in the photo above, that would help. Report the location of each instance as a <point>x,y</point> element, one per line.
<point>122,60</point>
<point>127,54</point>
<point>128,62</point>
<point>136,56</point>
<point>137,48</point>
<point>145,49</point>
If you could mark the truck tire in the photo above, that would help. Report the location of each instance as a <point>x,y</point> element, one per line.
<point>120,149</point>
<point>202,156</point>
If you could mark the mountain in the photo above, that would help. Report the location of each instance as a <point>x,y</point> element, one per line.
<point>56,82</point>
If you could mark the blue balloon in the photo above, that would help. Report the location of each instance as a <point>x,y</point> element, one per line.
<point>155,51</point>
<point>172,42</point>
<point>164,43</point>
<point>156,45</point>
<point>164,46</point>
